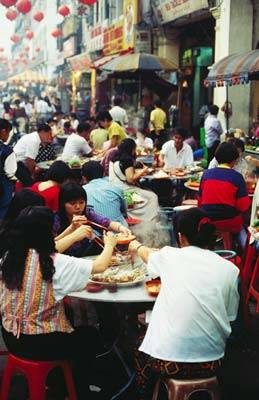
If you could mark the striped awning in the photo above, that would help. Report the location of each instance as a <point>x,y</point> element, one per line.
<point>234,69</point>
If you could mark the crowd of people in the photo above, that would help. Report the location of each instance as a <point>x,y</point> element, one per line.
<point>52,217</point>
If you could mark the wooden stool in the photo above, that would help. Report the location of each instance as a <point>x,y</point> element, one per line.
<point>183,389</point>
<point>36,373</point>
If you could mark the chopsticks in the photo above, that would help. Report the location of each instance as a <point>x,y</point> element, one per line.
<point>97,225</point>
<point>100,242</point>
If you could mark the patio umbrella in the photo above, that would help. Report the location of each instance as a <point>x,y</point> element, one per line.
<point>234,69</point>
<point>139,62</point>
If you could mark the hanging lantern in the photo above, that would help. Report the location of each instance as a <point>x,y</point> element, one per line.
<point>24,6</point>
<point>21,55</point>
<point>38,16</point>
<point>56,33</point>
<point>11,15</point>
<point>15,38</point>
<point>1,49</point>
<point>38,49</point>
<point>27,48</point>
<point>29,35</point>
<point>8,3</point>
<point>87,2</point>
<point>64,11</point>
<point>33,58</point>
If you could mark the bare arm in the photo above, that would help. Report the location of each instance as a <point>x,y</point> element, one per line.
<point>133,176</point>
<point>30,164</point>
<point>102,262</point>
<point>161,160</point>
<point>83,232</point>
<point>117,227</point>
<point>136,248</point>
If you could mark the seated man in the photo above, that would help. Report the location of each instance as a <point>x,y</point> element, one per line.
<point>175,153</point>
<point>77,143</point>
<point>223,194</point>
<point>115,132</point>
<point>28,148</point>
<point>105,198</point>
<point>97,137</point>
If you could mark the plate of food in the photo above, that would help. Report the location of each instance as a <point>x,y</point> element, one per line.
<point>193,183</point>
<point>160,175</point>
<point>121,276</point>
<point>153,287</point>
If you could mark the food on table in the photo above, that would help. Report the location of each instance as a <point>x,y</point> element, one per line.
<point>160,175</point>
<point>124,239</point>
<point>194,181</point>
<point>120,259</point>
<point>179,172</point>
<point>256,225</point>
<point>74,163</point>
<point>94,287</point>
<point>140,151</point>
<point>115,275</point>
<point>153,287</point>
<point>132,198</point>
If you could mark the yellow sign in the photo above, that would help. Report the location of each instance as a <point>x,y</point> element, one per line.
<point>130,13</point>
<point>113,38</point>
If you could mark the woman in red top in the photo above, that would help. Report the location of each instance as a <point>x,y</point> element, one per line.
<point>58,174</point>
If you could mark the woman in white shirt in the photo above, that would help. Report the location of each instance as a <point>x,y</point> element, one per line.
<point>190,322</point>
<point>35,280</point>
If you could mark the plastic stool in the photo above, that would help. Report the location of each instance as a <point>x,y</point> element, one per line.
<point>36,373</point>
<point>183,389</point>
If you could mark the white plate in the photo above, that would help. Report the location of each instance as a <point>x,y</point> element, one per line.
<point>132,283</point>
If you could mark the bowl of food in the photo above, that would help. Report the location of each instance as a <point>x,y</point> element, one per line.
<point>153,287</point>
<point>124,239</point>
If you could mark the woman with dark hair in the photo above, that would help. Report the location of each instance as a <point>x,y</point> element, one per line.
<point>197,301</point>
<point>58,173</point>
<point>35,280</point>
<point>72,214</point>
<point>122,173</point>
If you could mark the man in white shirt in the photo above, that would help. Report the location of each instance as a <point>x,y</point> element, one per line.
<point>77,143</point>
<point>28,110</point>
<point>27,148</point>
<point>175,153</point>
<point>42,110</point>
<point>118,113</point>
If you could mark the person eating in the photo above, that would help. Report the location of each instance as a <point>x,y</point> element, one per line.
<point>74,213</point>
<point>122,173</point>
<point>176,153</point>
<point>115,132</point>
<point>223,193</point>
<point>193,312</point>
<point>34,281</point>
<point>77,143</point>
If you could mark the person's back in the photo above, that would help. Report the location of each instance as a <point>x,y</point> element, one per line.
<point>106,199</point>
<point>119,115</point>
<point>201,296</point>
<point>77,144</point>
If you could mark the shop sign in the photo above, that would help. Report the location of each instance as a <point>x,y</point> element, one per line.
<point>130,14</point>
<point>143,41</point>
<point>113,38</point>
<point>69,47</point>
<point>167,11</point>
<point>69,26</point>
<point>80,62</point>
<point>95,38</point>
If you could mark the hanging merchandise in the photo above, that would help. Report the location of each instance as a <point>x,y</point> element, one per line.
<point>38,16</point>
<point>64,11</point>
<point>24,6</point>
<point>11,15</point>
<point>29,35</point>
<point>8,3</point>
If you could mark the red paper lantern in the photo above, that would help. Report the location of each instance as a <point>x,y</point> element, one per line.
<point>24,6</point>
<point>87,2</point>
<point>11,15</point>
<point>64,11</point>
<point>33,58</point>
<point>56,33</point>
<point>38,49</point>
<point>26,48</point>
<point>38,16</point>
<point>21,55</point>
<point>1,49</point>
<point>15,38</point>
<point>29,35</point>
<point>8,3</point>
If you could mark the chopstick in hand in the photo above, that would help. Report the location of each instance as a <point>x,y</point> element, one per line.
<point>97,225</point>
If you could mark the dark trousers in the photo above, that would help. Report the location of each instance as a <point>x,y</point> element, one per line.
<point>23,174</point>
<point>79,347</point>
<point>211,150</point>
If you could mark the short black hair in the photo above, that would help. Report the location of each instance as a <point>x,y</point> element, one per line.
<point>67,124</point>
<point>158,103</point>
<point>5,125</point>
<point>226,153</point>
<point>238,143</point>
<point>213,109</point>
<point>83,127</point>
<point>44,127</point>
<point>180,131</point>
<point>92,170</point>
<point>104,115</point>
<point>73,115</point>
<point>59,172</point>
